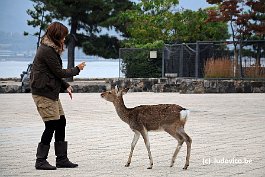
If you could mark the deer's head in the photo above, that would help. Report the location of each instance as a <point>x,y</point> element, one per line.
<point>114,94</point>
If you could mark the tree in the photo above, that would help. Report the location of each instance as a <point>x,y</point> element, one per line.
<point>194,27</point>
<point>257,21</point>
<point>40,19</point>
<point>257,26</point>
<point>148,22</point>
<point>160,20</point>
<point>154,23</point>
<point>87,19</point>
<point>246,19</point>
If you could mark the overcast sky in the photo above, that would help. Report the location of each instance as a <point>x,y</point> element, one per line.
<point>13,16</point>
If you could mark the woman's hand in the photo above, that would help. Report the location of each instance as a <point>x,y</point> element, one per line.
<point>81,65</point>
<point>70,90</point>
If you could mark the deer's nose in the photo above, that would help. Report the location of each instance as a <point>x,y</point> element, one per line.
<point>102,94</point>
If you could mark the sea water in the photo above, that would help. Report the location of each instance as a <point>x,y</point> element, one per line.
<point>103,68</point>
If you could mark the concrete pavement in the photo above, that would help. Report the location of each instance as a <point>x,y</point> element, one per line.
<point>228,135</point>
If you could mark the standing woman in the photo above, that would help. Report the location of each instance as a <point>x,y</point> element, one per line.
<point>46,83</point>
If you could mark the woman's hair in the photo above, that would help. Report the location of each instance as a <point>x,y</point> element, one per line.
<point>56,31</point>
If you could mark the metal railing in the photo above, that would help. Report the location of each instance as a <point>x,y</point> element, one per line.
<point>246,60</point>
<point>203,59</point>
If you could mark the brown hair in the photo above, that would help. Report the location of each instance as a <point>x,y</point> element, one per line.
<point>56,31</point>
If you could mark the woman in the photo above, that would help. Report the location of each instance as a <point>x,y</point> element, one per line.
<point>46,83</point>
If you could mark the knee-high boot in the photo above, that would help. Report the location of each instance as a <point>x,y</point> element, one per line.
<point>42,154</point>
<point>62,160</point>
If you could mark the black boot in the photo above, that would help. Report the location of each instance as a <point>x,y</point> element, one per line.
<point>42,154</point>
<point>61,152</point>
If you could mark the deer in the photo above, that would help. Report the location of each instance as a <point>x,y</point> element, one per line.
<point>170,118</point>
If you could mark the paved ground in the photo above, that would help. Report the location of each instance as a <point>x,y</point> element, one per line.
<point>228,135</point>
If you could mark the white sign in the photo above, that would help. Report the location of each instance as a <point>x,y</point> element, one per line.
<point>153,54</point>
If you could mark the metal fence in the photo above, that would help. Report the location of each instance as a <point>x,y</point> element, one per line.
<point>202,59</point>
<point>209,59</point>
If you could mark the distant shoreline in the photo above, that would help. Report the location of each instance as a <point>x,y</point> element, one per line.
<point>96,67</point>
<point>30,59</point>
<point>15,58</point>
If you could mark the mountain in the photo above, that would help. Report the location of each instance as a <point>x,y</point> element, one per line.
<point>16,44</point>
<point>13,19</point>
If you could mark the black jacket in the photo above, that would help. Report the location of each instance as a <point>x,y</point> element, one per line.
<point>47,73</point>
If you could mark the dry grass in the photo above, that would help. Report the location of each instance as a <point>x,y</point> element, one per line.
<point>218,68</point>
<point>223,68</point>
<point>255,72</point>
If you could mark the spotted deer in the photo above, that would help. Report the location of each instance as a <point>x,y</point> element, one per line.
<point>170,118</point>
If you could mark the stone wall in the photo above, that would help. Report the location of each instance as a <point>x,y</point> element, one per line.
<point>190,85</point>
<point>10,86</point>
<point>155,85</point>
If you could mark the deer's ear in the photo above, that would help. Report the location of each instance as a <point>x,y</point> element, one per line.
<point>116,89</point>
<point>124,91</point>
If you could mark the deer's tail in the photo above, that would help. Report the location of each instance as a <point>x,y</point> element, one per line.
<point>184,114</point>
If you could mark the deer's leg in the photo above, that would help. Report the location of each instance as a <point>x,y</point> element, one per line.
<point>172,132</point>
<point>144,134</point>
<point>188,141</point>
<point>135,139</point>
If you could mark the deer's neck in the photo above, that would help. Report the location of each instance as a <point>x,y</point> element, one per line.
<point>121,110</point>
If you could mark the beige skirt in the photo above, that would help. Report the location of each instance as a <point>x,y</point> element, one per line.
<point>48,109</point>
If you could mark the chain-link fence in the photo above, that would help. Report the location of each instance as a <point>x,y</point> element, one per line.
<point>196,60</point>
<point>216,59</point>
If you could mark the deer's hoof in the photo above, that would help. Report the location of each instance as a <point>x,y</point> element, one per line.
<point>150,167</point>
<point>127,165</point>
<point>185,167</point>
<point>172,164</point>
